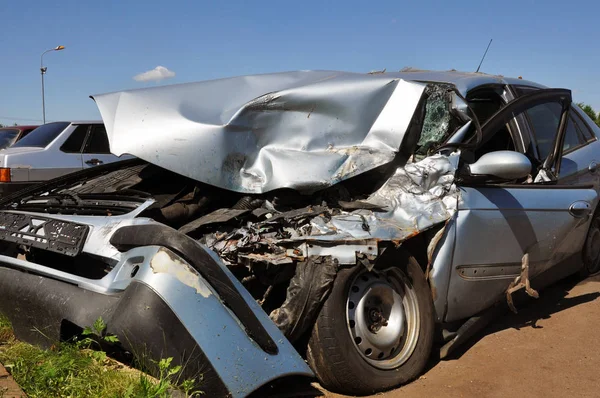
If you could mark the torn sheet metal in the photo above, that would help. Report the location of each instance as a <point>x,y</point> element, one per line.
<point>345,254</point>
<point>416,197</point>
<point>304,130</point>
<point>217,216</point>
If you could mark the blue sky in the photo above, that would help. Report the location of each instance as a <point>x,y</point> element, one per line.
<point>109,42</point>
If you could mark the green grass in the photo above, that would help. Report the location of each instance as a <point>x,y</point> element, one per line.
<point>5,329</point>
<point>69,370</point>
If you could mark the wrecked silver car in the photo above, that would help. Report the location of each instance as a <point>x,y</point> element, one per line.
<point>336,219</point>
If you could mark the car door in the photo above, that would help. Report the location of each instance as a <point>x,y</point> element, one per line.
<point>496,224</point>
<point>96,150</point>
<point>62,157</point>
<point>580,161</point>
<point>581,156</point>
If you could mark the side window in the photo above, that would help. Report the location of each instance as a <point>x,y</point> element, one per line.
<point>578,133</point>
<point>74,143</point>
<point>588,135</point>
<point>544,120</point>
<point>485,102</point>
<point>98,141</point>
<point>573,137</point>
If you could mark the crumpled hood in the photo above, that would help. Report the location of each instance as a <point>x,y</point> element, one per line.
<point>302,130</point>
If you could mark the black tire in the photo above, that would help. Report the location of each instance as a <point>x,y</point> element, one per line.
<point>591,248</point>
<point>332,353</point>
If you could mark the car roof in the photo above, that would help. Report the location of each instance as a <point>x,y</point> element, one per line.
<point>75,122</point>
<point>86,122</point>
<point>20,127</point>
<point>464,81</point>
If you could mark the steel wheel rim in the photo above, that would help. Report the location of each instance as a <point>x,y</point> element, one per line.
<point>383,317</point>
<point>593,248</point>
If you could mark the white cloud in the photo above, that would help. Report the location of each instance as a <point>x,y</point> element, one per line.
<point>156,74</point>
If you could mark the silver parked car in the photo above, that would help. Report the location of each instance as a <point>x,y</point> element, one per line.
<point>53,150</point>
<point>346,219</point>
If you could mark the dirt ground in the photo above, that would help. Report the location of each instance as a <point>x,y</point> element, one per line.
<point>551,348</point>
<point>8,387</point>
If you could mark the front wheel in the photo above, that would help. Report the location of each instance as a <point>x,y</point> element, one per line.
<point>375,330</point>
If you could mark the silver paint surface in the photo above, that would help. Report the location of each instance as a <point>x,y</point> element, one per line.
<point>304,130</point>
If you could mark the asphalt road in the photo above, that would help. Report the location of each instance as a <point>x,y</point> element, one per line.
<point>549,349</point>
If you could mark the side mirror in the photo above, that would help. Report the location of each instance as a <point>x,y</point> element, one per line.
<point>506,165</point>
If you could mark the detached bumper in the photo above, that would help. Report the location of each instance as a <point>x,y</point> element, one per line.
<point>159,307</point>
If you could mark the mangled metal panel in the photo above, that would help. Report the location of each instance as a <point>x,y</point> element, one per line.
<point>415,198</point>
<point>418,196</point>
<point>303,130</point>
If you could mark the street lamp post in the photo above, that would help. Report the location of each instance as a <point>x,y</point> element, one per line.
<point>43,70</point>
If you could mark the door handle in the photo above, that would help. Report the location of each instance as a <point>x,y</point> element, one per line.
<point>580,209</point>
<point>593,167</point>
<point>94,162</point>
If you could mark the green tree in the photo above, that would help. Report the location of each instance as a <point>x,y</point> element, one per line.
<point>589,111</point>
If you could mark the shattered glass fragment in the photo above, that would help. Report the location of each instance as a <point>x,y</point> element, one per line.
<point>437,123</point>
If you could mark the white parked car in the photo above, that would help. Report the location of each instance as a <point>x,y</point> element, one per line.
<point>53,150</point>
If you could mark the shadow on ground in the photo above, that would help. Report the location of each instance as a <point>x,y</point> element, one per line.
<point>291,387</point>
<point>553,299</point>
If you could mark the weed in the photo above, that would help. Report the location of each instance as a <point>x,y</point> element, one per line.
<point>98,329</point>
<point>5,329</point>
<point>74,370</point>
<point>164,386</point>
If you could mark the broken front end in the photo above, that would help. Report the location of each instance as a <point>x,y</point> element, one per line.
<point>223,244</point>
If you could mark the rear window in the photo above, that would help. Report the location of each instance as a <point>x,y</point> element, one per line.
<point>7,137</point>
<point>42,136</point>
<point>74,143</point>
<point>98,141</point>
<point>583,127</point>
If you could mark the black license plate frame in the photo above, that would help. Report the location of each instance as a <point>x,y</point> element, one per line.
<point>59,236</point>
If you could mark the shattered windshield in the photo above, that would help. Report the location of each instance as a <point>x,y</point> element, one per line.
<point>439,123</point>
